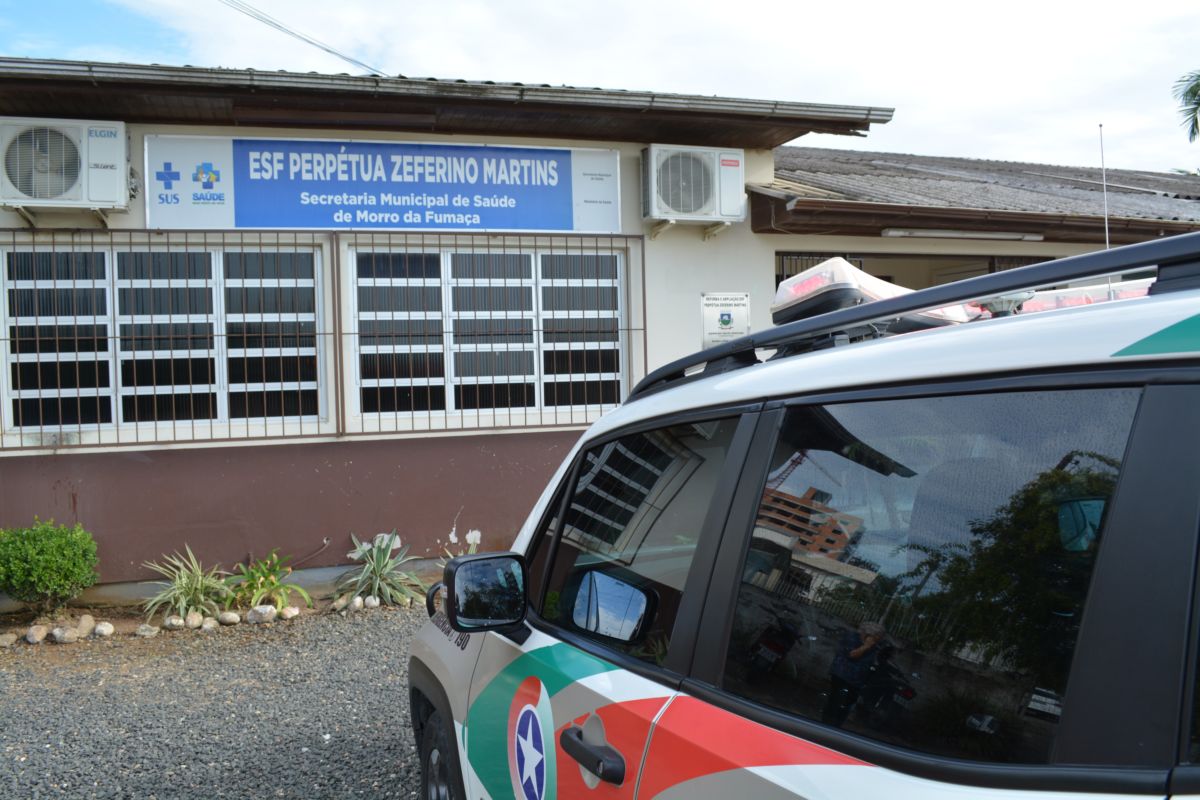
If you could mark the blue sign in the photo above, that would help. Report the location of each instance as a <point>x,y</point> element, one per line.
<point>308,184</point>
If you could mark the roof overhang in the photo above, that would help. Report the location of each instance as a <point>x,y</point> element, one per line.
<point>201,96</point>
<point>774,208</point>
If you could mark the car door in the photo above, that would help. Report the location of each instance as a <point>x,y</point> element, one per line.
<point>961,593</point>
<point>616,573</point>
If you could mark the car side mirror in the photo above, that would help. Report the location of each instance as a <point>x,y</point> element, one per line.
<point>608,606</point>
<point>485,592</point>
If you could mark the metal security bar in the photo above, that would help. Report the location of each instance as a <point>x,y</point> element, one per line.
<point>460,331</point>
<point>112,338</point>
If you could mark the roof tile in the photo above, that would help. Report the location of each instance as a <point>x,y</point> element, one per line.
<point>946,182</point>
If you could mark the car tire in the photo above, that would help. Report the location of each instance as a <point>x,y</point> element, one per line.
<point>440,778</point>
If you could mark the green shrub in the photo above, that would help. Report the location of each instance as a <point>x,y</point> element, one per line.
<point>188,586</point>
<point>263,579</point>
<point>46,565</point>
<point>381,574</point>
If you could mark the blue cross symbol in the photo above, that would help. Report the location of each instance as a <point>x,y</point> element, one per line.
<point>168,175</point>
<point>206,175</point>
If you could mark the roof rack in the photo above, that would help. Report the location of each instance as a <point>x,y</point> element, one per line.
<point>1177,259</point>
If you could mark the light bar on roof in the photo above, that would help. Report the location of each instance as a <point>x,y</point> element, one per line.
<point>836,283</point>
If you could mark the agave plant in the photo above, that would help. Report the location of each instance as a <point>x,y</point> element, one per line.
<point>473,539</point>
<point>188,586</point>
<point>380,573</point>
<point>264,579</point>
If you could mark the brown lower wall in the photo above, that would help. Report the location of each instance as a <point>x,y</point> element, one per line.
<point>231,502</point>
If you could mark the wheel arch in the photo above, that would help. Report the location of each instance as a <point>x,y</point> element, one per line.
<point>427,695</point>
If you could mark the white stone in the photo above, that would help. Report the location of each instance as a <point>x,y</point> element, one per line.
<point>261,614</point>
<point>8,639</point>
<point>174,623</point>
<point>64,635</point>
<point>103,630</point>
<point>356,604</point>
<point>193,620</point>
<point>289,612</point>
<point>371,602</point>
<point>146,631</point>
<point>209,624</point>
<point>36,634</point>
<point>341,602</point>
<point>87,624</point>
<point>228,618</point>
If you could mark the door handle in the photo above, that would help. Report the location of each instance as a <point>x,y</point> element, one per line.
<point>599,759</point>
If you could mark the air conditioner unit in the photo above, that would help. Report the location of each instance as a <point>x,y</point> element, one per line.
<point>693,184</point>
<point>63,163</point>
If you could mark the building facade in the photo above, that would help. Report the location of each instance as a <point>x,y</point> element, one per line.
<point>245,311</point>
<point>326,305</point>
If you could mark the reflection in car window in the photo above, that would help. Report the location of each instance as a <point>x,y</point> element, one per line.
<point>629,532</point>
<point>539,551</point>
<point>918,567</point>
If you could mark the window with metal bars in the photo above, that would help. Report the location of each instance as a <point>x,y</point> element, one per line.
<point>59,326</point>
<point>137,337</point>
<point>271,325</point>
<point>122,336</point>
<point>444,331</point>
<point>167,348</point>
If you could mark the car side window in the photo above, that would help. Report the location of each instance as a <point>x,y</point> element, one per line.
<point>629,534</point>
<point>918,567</point>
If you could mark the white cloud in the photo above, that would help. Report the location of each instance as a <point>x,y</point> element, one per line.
<point>1017,81</point>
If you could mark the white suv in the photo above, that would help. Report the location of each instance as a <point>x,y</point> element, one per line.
<point>954,562</point>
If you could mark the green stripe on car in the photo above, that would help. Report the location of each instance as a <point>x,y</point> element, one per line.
<point>1182,337</point>
<point>557,667</point>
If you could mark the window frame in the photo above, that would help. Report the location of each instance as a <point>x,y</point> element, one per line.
<point>221,426</point>
<point>222,284</point>
<point>108,356</point>
<point>539,412</point>
<point>1095,738</point>
<point>357,316</point>
<point>683,640</point>
<point>132,356</point>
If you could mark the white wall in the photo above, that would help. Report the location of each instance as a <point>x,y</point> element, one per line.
<point>679,264</point>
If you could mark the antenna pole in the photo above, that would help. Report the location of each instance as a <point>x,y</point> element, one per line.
<point>1104,184</point>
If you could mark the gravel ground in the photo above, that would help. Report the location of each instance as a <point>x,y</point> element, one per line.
<point>312,708</point>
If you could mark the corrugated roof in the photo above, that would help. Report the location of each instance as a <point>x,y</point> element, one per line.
<point>964,183</point>
<point>196,95</point>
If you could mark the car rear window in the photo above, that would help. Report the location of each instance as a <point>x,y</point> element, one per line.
<point>918,567</point>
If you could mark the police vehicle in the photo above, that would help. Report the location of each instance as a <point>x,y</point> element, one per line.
<point>874,552</point>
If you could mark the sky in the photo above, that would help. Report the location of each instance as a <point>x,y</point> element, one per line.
<point>1015,81</point>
